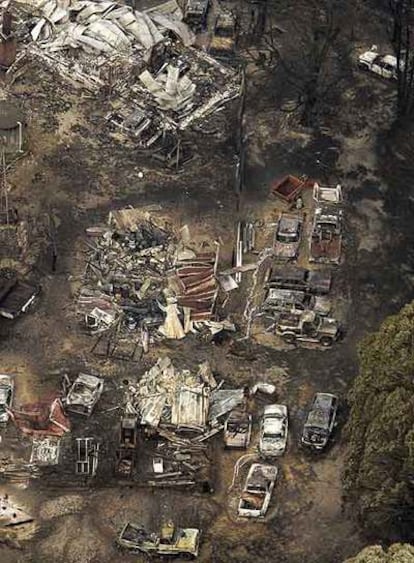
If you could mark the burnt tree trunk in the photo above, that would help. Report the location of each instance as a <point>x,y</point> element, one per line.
<point>403,42</point>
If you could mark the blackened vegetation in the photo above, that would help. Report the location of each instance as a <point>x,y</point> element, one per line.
<point>315,59</point>
<point>379,474</point>
<point>403,41</point>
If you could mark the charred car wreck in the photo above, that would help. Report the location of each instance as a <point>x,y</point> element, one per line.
<point>172,541</point>
<point>257,492</point>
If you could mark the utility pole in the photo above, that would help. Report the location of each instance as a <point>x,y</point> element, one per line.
<point>4,192</point>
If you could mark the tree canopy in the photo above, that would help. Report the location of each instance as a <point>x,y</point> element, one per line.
<point>379,473</point>
<point>397,553</point>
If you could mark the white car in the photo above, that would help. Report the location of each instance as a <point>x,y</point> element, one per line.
<point>381,65</point>
<point>84,394</point>
<point>6,397</point>
<point>257,492</point>
<point>273,431</point>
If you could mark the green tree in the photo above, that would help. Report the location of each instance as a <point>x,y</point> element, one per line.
<point>397,553</point>
<point>379,473</point>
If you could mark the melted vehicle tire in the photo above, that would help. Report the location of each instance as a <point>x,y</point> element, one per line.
<point>326,341</point>
<point>289,338</point>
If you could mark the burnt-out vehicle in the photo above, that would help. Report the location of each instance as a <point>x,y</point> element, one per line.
<point>16,297</point>
<point>126,451</point>
<point>317,282</point>
<point>84,394</point>
<point>6,397</point>
<point>171,541</point>
<point>273,431</point>
<point>291,300</point>
<point>307,327</point>
<point>287,237</point>
<point>237,429</point>
<point>195,13</point>
<point>320,421</point>
<point>326,237</point>
<point>223,42</point>
<point>257,491</point>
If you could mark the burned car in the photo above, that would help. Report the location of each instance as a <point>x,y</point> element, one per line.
<point>6,397</point>
<point>223,42</point>
<point>257,492</point>
<point>183,542</point>
<point>290,300</point>
<point>287,237</point>
<point>385,66</point>
<point>195,14</point>
<point>317,282</point>
<point>307,327</point>
<point>273,431</point>
<point>237,429</point>
<point>84,394</point>
<point>16,297</point>
<point>320,421</point>
<point>326,238</point>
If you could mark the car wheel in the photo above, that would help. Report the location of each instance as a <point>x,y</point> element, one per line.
<point>326,341</point>
<point>289,338</point>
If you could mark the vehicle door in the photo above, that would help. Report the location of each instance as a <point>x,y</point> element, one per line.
<point>388,71</point>
<point>332,413</point>
<point>309,329</point>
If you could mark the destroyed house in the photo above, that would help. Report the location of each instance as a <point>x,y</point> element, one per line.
<point>190,408</point>
<point>93,47</point>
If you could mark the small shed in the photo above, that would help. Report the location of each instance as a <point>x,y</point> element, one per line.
<point>11,126</point>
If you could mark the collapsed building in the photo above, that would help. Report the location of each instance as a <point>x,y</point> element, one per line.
<point>157,82</point>
<point>147,282</point>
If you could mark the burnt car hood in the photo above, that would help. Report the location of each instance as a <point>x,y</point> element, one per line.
<point>285,250</point>
<point>315,437</point>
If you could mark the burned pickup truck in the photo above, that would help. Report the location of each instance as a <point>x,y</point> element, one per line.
<point>238,429</point>
<point>182,542</point>
<point>326,238</point>
<point>257,492</point>
<point>307,327</point>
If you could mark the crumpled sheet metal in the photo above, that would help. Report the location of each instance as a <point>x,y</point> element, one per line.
<point>223,401</point>
<point>103,26</point>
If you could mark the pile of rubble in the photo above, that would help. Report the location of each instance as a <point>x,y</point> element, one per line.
<point>183,409</point>
<point>178,399</point>
<point>141,278</point>
<point>158,82</point>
